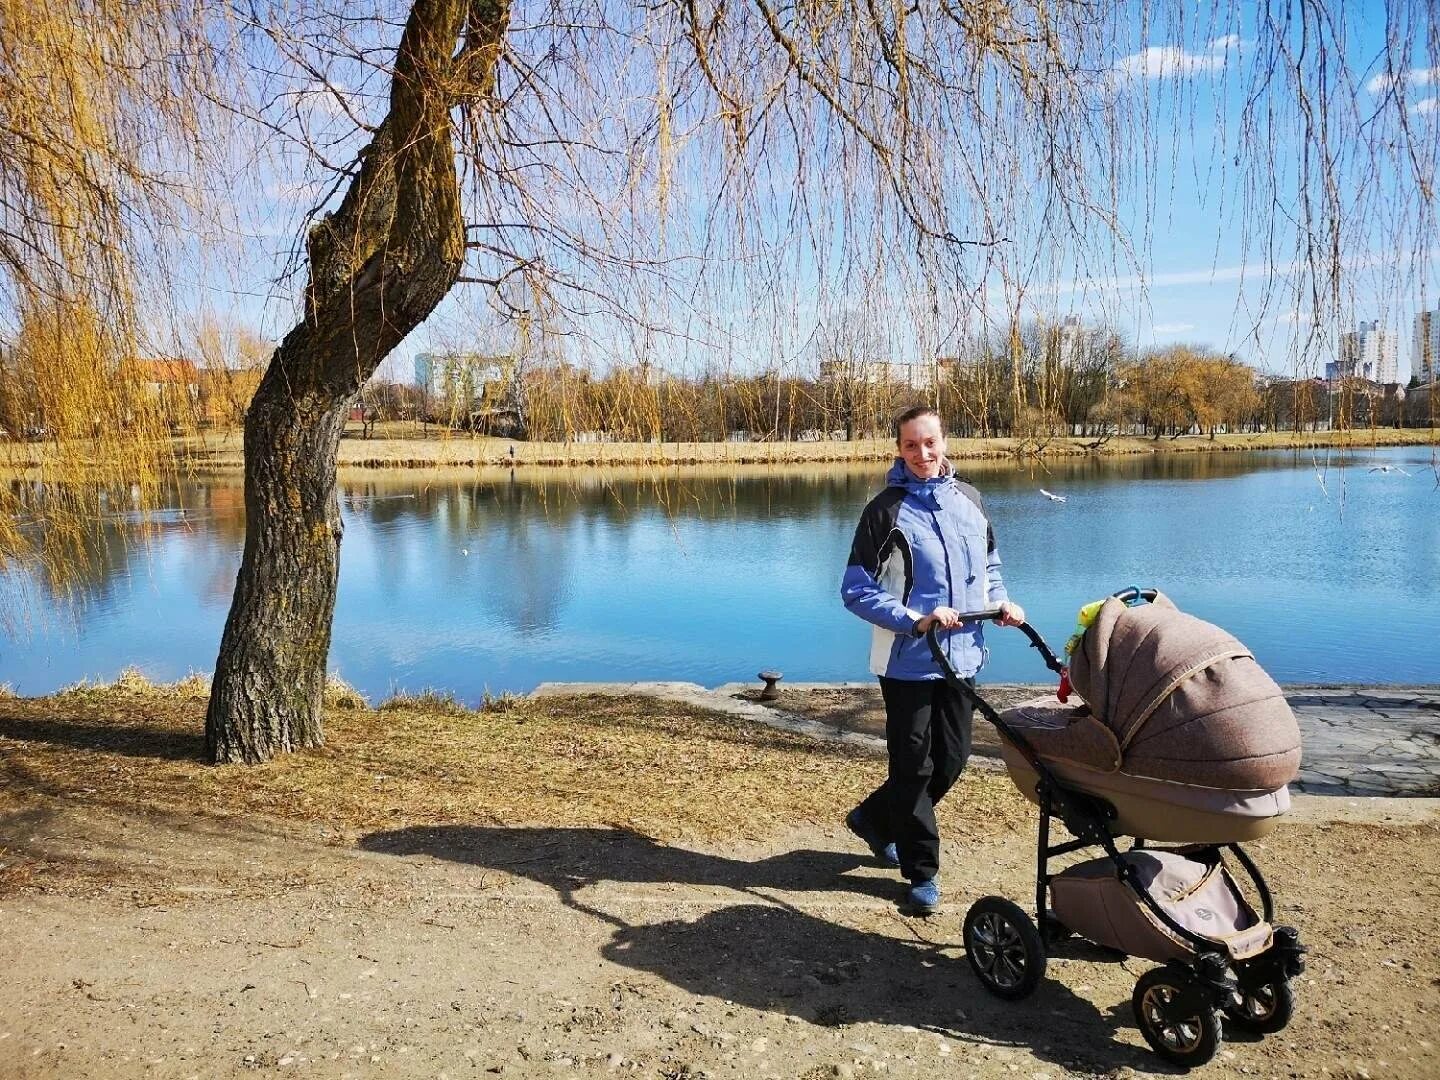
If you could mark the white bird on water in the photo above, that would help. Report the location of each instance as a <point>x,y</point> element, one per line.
<point>1388,469</point>
<point>1052,496</point>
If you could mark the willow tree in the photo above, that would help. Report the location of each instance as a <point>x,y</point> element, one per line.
<point>712,171</point>
<point>378,265</point>
<point>98,102</point>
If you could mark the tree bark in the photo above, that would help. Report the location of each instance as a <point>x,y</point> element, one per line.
<point>378,266</point>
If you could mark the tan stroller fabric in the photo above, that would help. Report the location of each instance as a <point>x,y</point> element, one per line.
<point>1089,899</point>
<point>1069,740</point>
<point>1185,701</point>
<point>1181,732</point>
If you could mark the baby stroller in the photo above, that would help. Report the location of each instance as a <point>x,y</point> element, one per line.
<point>1181,739</point>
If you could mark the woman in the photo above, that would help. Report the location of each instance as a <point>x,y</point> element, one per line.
<point>923,553</point>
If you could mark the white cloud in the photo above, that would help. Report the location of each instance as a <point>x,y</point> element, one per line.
<point>1427,105</point>
<point>1173,328</point>
<point>1169,279</point>
<point>1414,77</point>
<point>1250,273</point>
<point>1173,61</point>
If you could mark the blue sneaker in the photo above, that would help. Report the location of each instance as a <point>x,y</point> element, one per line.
<point>924,897</point>
<point>881,850</point>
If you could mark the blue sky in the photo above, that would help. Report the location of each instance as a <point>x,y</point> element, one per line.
<point>1203,271</point>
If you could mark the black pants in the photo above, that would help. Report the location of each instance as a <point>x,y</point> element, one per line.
<point>927,733</point>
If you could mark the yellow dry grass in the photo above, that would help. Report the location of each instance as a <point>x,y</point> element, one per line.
<point>663,769</point>
<point>406,446</point>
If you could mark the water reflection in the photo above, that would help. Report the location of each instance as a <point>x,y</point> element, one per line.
<point>503,578</point>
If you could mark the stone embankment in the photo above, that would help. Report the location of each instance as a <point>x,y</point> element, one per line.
<point>1358,740</point>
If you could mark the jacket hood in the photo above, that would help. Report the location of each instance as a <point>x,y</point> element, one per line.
<point>926,490</point>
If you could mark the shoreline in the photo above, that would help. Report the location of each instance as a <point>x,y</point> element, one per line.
<point>1363,739</point>
<point>399,450</point>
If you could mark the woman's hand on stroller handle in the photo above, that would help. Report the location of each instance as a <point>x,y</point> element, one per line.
<point>947,618</point>
<point>944,618</point>
<point>1011,614</point>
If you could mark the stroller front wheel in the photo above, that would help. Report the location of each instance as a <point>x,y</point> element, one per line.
<point>1263,1009</point>
<point>1177,1017</point>
<point>1004,948</point>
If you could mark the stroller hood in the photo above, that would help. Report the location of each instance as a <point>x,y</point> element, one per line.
<point>1185,701</point>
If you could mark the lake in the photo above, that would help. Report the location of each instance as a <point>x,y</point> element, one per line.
<point>1326,567</point>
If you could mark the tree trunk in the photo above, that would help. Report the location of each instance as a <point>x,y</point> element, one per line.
<point>270,676</point>
<point>378,267</point>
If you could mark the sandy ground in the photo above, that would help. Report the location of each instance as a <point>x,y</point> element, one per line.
<point>169,946</point>
<point>411,902</point>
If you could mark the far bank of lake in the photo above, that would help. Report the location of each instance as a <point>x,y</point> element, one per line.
<point>413,446</point>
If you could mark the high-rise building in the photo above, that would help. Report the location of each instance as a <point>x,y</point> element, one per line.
<point>1367,353</point>
<point>1427,346</point>
<point>1070,339</point>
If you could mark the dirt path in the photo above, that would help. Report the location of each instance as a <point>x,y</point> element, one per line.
<point>178,946</point>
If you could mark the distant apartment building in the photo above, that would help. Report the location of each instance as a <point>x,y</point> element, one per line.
<point>1368,353</point>
<point>1426,350</point>
<point>647,374</point>
<point>924,375</point>
<point>1070,340</point>
<point>461,380</point>
<point>172,382</point>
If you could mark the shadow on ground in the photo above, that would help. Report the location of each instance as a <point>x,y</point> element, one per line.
<point>765,953</point>
<point>127,739</point>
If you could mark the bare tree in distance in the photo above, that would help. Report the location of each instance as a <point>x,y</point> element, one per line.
<point>711,173</point>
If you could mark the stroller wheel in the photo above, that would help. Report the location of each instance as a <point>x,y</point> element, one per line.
<point>1263,1009</point>
<point>1176,1017</point>
<point>1004,948</point>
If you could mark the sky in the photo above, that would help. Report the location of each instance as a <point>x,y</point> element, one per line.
<point>1203,270</point>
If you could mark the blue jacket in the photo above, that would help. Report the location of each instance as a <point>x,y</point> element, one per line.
<point>922,544</point>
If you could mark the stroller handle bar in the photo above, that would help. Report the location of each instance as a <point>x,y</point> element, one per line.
<point>992,615</point>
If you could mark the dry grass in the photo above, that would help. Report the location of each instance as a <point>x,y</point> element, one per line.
<point>405,446</point>
<point>663,769</point>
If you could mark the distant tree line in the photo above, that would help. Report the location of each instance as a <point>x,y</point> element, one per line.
<point>1036,385</point>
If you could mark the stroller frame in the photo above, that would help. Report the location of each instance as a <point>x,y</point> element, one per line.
<point>1177,1006</point>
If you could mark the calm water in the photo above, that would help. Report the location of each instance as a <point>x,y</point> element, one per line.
<point>1326,569</point>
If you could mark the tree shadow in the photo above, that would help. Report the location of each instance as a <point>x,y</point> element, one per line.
<point>767,954</point>
<point>160,743</point>
<point>568,860</point>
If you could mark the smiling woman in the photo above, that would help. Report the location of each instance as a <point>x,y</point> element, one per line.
<point>921,442</point>
<point>924,553</point>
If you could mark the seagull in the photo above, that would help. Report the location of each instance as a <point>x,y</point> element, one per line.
<point>1052,496</point>
<point>1388,469</point>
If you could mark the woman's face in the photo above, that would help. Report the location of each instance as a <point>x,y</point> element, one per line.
<point>922,446</point>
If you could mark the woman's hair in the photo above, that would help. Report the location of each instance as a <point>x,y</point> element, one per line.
<point>913,414</point>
